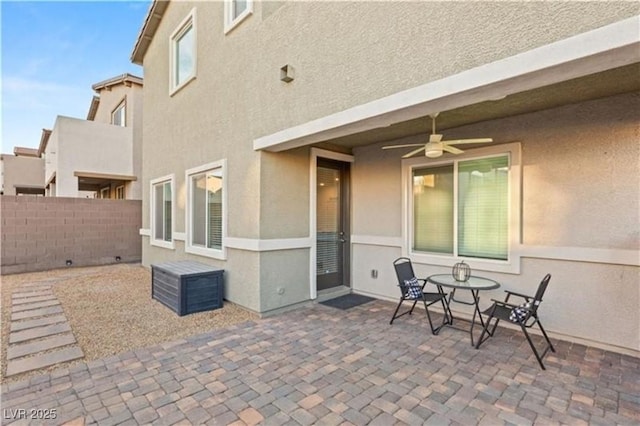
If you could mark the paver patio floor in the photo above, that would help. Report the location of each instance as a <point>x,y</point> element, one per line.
<point>321,365</point>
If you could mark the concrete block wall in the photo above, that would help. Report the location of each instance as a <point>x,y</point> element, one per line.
<point>41,233</point>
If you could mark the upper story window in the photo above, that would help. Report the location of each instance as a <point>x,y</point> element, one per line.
<point>118,116</point>
<point>162,206</point>
<point>467,207</point>
<point>236,11</point>
<point>183,53</point>
<point>120,192</point>
<point>206,210</point>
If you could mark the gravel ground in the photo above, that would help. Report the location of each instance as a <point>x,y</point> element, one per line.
<point>110,311</point>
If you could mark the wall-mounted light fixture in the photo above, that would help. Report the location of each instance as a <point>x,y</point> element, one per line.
<point>287,73</point>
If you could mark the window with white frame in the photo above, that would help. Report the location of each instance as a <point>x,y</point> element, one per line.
<point>104,192</point>
<point>465,207</point>
<point>118,116</point>
<point>206,217</point>
<point>162,212</point>
<point>183,53</point>
<point>236,11</point>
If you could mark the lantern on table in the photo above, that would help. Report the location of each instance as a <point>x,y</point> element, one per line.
<point>461,271</point>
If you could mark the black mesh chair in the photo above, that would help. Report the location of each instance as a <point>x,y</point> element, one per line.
<point>525,315</point>
<point>412,290</point>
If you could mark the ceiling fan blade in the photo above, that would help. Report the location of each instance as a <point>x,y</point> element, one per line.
<point>463,141</point>
<point>402,146</point>
<point>414,152</point>
<point>451,149</point>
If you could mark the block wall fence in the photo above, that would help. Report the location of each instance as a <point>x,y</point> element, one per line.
<point>42,233</point>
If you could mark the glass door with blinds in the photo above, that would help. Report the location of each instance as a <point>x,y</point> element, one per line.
<point>332,224</point>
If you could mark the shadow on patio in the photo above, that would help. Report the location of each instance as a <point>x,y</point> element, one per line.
<point>321,365</point>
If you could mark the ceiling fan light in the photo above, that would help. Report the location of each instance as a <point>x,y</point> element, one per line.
<point>433,150</point>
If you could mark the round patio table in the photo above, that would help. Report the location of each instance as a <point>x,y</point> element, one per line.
<point>474,284</point>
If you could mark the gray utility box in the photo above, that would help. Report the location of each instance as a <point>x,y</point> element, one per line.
<point>187,287</point>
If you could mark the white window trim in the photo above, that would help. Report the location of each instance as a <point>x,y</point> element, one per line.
<point>152,240</point>
<point>123,105</point>
<point>512,264</point>
<point>123,193</point>
<point>189,20</point>
<point>220,254</point>
<point>229,22</point>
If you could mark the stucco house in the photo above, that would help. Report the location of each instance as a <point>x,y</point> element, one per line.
<point>265,123</point>
<point>99,156</point>
<point>22,173</point>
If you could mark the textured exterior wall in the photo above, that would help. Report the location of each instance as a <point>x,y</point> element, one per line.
<point>21,171</point>
<point>345,54</point>
<point>580,189</point>
<point>41,233</point>
<point>109,100</point>
<point>87,146</point>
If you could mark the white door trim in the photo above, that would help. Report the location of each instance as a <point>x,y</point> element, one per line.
<point>315,154</point>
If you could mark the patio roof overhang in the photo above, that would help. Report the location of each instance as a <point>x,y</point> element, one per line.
<point>599,63</point>
<point>30,189</point>
<point>89,181</point>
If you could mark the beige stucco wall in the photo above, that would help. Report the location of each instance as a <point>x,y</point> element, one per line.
<point>21,171</point>
<point>345,55</point>
<point>86,146</point>
<point>109,100</point>
<point>580,190</point>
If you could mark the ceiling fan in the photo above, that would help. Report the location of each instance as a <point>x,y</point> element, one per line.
<point>436,146</point>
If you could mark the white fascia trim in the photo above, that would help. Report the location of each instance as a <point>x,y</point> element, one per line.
<point>583,254</point>
<point>252,244</point>
<point>605,48</point>
<point>569,254</point>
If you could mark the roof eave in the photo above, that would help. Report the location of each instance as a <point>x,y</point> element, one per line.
<point>148,30</point>
<point>126,79</point>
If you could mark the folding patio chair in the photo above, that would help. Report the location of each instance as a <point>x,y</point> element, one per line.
<point>412,291</point>
<point>525,315</point>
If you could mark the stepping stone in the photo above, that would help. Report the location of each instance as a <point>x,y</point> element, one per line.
<point>34,313</point>
<point>34,286</point>
<point>39,283</point>
<point>34,333</point>
<point>30,306</point>
<point>33,293</point>
<point>17,302</point>
<point>24,325</point>
<point>17,351</point>
<point>40,361</point>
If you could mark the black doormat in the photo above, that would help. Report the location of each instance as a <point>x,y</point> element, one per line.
<point>348,301</point>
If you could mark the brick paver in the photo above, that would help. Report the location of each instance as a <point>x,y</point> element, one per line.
<point>320,365</point>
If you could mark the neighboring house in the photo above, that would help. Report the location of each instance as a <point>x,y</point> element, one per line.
<point>101,155</point>
<point>264,124</point>
<point>22,173</point>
